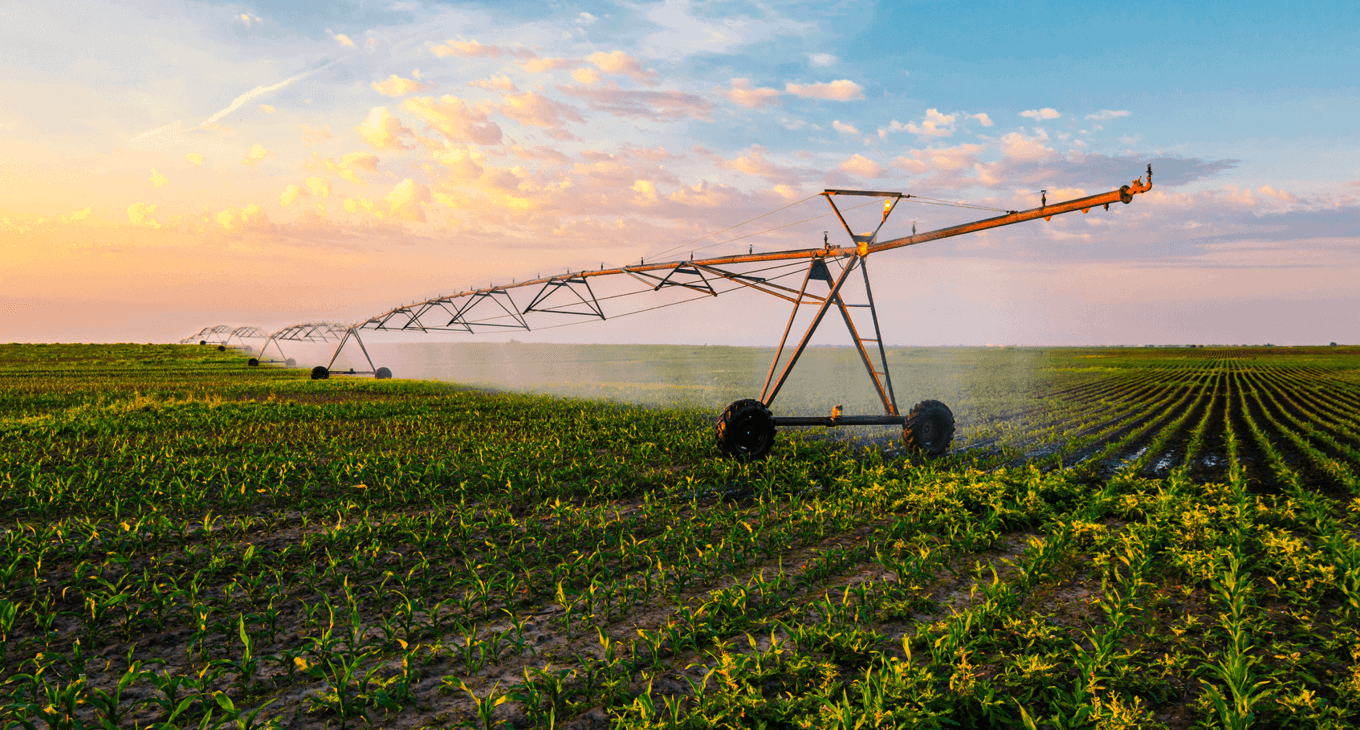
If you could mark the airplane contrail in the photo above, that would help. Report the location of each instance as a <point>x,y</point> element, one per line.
<point>257,91</point>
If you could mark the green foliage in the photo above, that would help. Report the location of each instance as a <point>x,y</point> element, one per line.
<point>1138,539</point>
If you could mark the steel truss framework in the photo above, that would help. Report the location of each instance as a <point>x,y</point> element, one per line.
<point>570,296</point>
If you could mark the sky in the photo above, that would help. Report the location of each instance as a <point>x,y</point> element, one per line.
<point>166,166</point>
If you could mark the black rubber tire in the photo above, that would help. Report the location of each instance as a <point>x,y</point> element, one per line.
<point>929,428</point>
<point>746,429</point>
<point>202,342</point>
<point>252,362</point>
<point>221,348</point>
<point>320,373</point>
<point>382,374</point>
<point>290,363</point>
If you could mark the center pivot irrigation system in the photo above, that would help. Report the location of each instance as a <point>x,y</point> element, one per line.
<point>746,427</point>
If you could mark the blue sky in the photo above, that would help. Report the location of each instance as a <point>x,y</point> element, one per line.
<point>166,165</point>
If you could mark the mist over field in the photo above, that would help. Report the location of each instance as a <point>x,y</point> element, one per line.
<point>980,385</point>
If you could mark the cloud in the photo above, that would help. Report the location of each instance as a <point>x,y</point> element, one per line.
<point>1105,114</point>
<point>685,32</point>
<point>267,109</point>
<point>211,122</point>
<point>1041,114</point>
<point>195,158</point>
<point>656,105</point>
<point>1016,146</point>
<point>495,83</point>
<point>620,63</point>
<point>157,179</point>
<point>315,135</point>
<point>457,121</point>
<point>843,128</point>
<point>934,125</point>
<point>139,214</point>
<point>79,215</point>
<point>537,110</point>
<point>754,162</point>
<point>585,19</point>
<point>344,40</point>
<point>382,130</point>
<point>248,19</point>
<point>405,201</point>
<point>312,186</point>
<point>839,90</point>
<point>397,86</point>
<point>256,155</point>
<point>540,65</point>
<point>347,164</point>
<point>982,118</point>
<point>586,76</point>
<point>861,166</point>
<point>752,98</point>
<point>250,218</point>
<point>821,59</point>
<point>473,49</point>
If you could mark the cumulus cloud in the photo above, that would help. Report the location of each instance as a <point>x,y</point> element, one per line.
<point>256,155</point>
<point>982,118</point>
<point>383,130</point>
<point>405,201</point>
<point>495,83</point>
<point>821,59</point>
<point>348,164</point>
<point>344,40</point>
<point>312,186</point>
<point>1041,114</point>
<point>540,65</point>
<point>195,158</point>
<point>139,214</point>
<point>1105,114</point>
<point>1016,146</point>
<point>861,166</point>
<point>397,86</point>
<point>750,97</point>
<point>538,110</point>
<point>249,19</point>
<point>839,90</point>
<point>455,119</point>
<point>754,162</point>
<point>657,105</point>
<point>586,75</point>
<point>79,215</point>
<point>267,109</point>
<point>237,220</point>
<point>620,63</point>
<point>157,179</point>
<point>843,128</point>
<point>935,124</point>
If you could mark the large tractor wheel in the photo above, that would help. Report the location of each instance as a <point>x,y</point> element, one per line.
<point>746,429</point>
<point>221,348</point>
<point>929,428</point>
<point>290,362</point>
<point>252,362</point>
<point>382,374</point>
<point>202,342</point>
<point>320,373</point>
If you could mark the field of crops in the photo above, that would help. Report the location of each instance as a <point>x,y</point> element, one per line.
<point>1140,538</point>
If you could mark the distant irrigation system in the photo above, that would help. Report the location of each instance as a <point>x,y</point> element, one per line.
<point>746,428</point>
